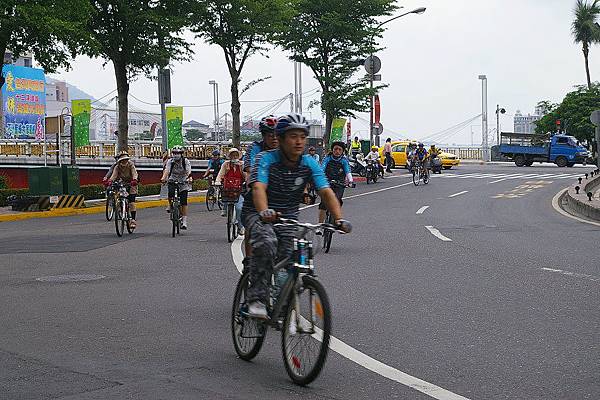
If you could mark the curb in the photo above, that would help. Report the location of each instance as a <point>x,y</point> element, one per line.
<point>67,212</point>
<point>579,204</point>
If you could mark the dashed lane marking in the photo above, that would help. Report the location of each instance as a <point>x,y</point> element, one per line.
<point>435,232</point>
<point>573,274</point>
<point>458,194</point>
<point>422,210</point>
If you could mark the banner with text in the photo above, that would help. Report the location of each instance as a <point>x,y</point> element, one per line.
<point>81,110</point>
<point>23,102</point>
<point>174,126</point>
<point>337,130</point>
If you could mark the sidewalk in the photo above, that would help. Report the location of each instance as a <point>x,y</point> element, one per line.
<point>92,207</point>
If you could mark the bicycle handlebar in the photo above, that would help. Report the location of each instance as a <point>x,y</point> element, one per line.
<point>307,225</point>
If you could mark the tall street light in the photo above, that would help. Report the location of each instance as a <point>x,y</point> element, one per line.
<point>484,118</point>
<point>420,10</point>
<point>215,86</point>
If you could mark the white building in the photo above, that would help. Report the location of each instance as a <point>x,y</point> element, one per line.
<point>525,123</point>
<point>26,60</point>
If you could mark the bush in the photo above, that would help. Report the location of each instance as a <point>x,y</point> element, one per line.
<point>148,190</point>
<point>5,193</point>
<point>92,192</point>
<point>3,182</point>
<point>200,185</point>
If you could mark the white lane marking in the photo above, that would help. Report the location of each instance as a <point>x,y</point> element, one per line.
<point>422,209</point>
<point>356,356</point>
<point>573,274</point>
<point>438,234</point>
<point>458,194</point>
<point>559,209</point>
<point>507,177</point>
<point>377,191</point>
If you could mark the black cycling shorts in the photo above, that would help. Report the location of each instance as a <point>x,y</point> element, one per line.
<point>339,193</point>
<point>183,195</point>
<point>131,197</point>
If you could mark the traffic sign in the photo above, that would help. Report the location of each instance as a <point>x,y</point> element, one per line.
<point>595,118</point>
<point>372,65</point>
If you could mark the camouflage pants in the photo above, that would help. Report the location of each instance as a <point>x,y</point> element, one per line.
<point>270,244</point>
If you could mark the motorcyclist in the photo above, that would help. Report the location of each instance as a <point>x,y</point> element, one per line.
<point>376,158</point>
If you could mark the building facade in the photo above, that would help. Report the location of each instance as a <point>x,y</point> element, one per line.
<point>525,123</point>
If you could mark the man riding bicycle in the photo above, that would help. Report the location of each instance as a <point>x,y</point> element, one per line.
<point>125,171</point>
<point>268,142</point>
<point>420,155</point>
<point>213,168</point>
<point>337,169</point>
<point>277,186</point>
<point>178,169</point>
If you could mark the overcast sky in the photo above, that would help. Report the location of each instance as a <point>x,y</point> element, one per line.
<point>431,63</point>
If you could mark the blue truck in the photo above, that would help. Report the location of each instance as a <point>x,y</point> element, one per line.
<point>525,149</point>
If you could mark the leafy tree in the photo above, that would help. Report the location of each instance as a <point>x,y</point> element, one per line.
<point>327,35</point>
<point>585,30</point>
<point>50,29</point>
<point>136,36</point>
<point>241,28</point>
<point>574,113</point>
<point>194,134</point>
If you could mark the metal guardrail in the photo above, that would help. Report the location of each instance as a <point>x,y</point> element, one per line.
<point>151,150</point>
<point>465,153</point>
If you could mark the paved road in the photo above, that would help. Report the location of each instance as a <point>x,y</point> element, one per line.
<point>489,294</point>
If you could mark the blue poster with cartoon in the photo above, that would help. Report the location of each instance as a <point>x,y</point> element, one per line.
<point>23,102</point>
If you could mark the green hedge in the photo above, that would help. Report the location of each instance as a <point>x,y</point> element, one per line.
<point>3,182</point>
<point>5,193</point>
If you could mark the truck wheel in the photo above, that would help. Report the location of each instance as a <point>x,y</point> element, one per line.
<point>561,161</point>
<point>520,161</point>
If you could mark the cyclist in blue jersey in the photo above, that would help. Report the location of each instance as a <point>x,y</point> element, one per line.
<point>268,142</point>
<point>277,185</point>
<point>337,171</point>
<point>421,155</point>
<point>214,166</point>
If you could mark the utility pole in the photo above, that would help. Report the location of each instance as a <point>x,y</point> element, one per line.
<point>215,86</point>
<point>297,96</point>
<point>164,97</point>
<point>484,118</point>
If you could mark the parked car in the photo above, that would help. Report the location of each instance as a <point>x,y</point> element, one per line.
<point>400,155</point>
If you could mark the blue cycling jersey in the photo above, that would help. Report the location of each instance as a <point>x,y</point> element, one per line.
<point>285,185</point>
<point>251,154</point>
<point>336,169</point>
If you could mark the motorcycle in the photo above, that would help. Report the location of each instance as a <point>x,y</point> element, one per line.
<point>372,172</point>
<point>358,166</point>
<point>436,165</point>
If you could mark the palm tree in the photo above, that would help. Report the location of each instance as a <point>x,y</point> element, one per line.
<point>585,30</point>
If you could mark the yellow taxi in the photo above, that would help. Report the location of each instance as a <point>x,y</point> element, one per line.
<point>400,155</point>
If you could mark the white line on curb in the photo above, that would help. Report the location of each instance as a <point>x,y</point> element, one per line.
<point>559,209</point>
<point>458,194</point>
<point>422,210</point>
<point>355,355</point>
<point>438,234</point>
<point>573,274</point>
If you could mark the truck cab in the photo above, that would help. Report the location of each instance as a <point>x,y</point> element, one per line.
<point>567,151</point>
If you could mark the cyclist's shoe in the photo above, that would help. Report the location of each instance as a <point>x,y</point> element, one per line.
<point>222,213</point>
<point>241,231</point>
<point>168,209</point>
<point>184,226</point>
<point>256,309</point>
<point>132,224</point>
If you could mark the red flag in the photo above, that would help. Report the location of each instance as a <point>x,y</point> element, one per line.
<point>349,130</point>
<point>377,109</point>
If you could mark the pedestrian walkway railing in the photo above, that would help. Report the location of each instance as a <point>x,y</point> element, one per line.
<point>465,153</point>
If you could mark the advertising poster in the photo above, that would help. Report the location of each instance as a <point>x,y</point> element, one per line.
<point>337,130</point>
<point>23,102</point>
<point>174,126</point>
<point>81,110</point>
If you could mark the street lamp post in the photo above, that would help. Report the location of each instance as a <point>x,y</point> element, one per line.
<point>216,131</point>
<point>498,112</point>
<point>484,118</point>
<point>420,10</point>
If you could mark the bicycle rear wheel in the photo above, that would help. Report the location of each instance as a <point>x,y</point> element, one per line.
<point>231,224</point>
<point>109,208</point>
<point>248,333</point>
<point>306,332</point>
<point>426,177</point>
<point>219,199</point>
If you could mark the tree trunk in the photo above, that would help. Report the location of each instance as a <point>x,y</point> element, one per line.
<point>328,125</point>
<point>586,53</point>
<point>123,93</point>
<point>235,109</point>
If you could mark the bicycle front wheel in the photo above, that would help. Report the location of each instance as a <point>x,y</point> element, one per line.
<point>109,208</point>
<point>415,178</point>
<point>426,177</point>
<point>120,217</point>
<point>327,235</point>
<point>306,332</point>
<point>174,220</point>
<point>248,333</point>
